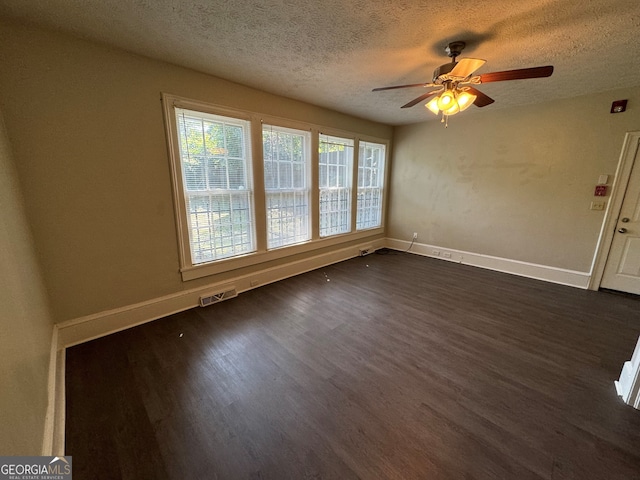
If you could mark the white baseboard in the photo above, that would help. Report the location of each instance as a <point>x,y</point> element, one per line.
<point>515,267</point>
<point>80,330</point>
<point>628,386</point>
<point>83,329</point>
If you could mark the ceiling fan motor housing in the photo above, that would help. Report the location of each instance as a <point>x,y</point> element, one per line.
<point>455,48</point>
<point>443,70</point>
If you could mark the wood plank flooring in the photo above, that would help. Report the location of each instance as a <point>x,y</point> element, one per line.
<point>383,367</point>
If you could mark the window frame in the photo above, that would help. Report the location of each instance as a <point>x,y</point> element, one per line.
<point>348,240</point>
<point>350,142</point>
<point>308,162</point>
<point>214,194</point>
<point>381,180</point>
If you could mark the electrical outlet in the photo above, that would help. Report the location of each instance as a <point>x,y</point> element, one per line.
<point>415,235</point>
<point>435,252</point>
<point>446,255</point>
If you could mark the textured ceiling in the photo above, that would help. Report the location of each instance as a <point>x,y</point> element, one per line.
<point>332,53</point>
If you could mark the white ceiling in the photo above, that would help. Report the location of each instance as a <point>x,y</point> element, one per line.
<point>333,52</point>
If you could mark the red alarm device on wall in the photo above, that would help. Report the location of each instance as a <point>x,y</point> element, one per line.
<point>601,191</point>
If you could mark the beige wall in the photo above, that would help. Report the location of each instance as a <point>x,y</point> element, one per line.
<point>514,183</point>
<point>25,324</point>
<point>87,129</point>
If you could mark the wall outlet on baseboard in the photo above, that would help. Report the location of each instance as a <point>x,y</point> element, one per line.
<point>446,255</point>
<point>435,253</point>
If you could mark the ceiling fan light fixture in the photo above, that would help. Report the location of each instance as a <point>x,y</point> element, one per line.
<point>446,100</point>
<point>433,105</point>
<point>450,102</point>
<point>452,110</point>
<point>465,99</point>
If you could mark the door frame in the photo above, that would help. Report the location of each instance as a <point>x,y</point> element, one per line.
<point>630,149</point>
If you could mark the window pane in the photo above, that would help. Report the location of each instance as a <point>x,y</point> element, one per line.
<point>299,175</point>
<point>220,225</point>
<point>284,174</point>
<point>335,166</point>
<point>213,138</point>
<point>370,185</point>
<point>298,149</point>
<point>236,170</point>
<point>215,162</point>
<point>286,177</point>
<point>234,141</point>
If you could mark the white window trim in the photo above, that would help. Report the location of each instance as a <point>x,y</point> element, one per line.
<point>306,133</point>
<point>261,255</point>
<point>349,179</point>
<point>180,207</point>
<point>248,190</point>
<point>383,188</point>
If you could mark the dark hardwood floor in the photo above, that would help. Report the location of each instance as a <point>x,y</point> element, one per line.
<point>383,367</point>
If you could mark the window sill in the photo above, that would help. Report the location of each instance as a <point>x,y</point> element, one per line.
<point>256,258</point>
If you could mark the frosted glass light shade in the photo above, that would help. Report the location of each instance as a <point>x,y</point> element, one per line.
<point>453,109</point>
<point>433,105</point>
<point>465,99</point>
<point>446,100</point>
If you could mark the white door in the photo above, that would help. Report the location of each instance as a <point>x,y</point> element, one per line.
<point>622,271</point>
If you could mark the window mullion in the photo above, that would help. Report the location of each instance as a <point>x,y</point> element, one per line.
<point>354,186</point>
<point>260,212</point>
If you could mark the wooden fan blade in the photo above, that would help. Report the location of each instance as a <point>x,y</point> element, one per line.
<point>481,100</point>
<point>402,86</point>
<point>466,67</point>
<point>519,74</point>
<point>420,98</point>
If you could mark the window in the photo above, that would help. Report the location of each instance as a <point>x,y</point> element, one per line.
<point>287,158</point>
<point>215,159</point>
<point>370,185</point>
<point>240,203</point>
<point>335,166</point>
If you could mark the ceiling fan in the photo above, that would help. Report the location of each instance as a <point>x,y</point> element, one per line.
<point>453,83</point>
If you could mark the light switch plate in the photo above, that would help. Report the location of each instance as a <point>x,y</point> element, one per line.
<point>598,205</point>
